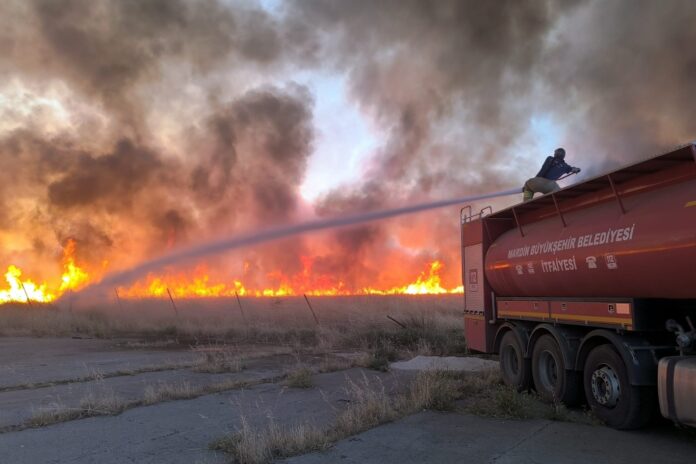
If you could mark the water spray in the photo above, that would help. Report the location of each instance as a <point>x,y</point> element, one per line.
<point>277,233</point>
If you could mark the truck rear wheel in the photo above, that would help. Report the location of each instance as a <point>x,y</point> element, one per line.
<point>609,393</point>
<point>513,366</point>
<point>552,380</point>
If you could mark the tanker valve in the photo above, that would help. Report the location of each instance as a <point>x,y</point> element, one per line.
<point>685,340</point>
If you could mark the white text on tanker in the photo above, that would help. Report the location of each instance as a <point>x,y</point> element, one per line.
<point>572,243</point>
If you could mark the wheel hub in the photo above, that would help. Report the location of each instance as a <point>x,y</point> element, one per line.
<point>548,370</point>
<point>606,387</point>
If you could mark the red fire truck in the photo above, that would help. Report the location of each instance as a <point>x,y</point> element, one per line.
<point>589,293</point>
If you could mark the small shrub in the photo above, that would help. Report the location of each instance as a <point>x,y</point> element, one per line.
<point>376,362</point>
<point>436,390</point>
<point>370,406</point>
<point>106,403</point>
<point>380,356</point>
<point>557,411</point>
<point>476,383</point>
<point>502,402</point>
<point>299,378</point>
<point>508,403</point>
<point>260,446</point>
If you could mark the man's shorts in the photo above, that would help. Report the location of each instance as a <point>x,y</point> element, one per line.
<point>541,185</point>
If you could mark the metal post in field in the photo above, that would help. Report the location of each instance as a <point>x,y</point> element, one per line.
<point>26,294</point>
<point>172,300</point>
<point>118,298</point>
<point>309,305</point>
<point>396,322</point>
<point>241,310</point>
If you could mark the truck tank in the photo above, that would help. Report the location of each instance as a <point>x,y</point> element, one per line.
<point>644,249</point>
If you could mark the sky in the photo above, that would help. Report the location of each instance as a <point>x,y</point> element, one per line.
<point>344,138</point>
<point>134,128</point>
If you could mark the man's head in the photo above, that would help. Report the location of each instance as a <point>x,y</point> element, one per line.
<point>559,153</point>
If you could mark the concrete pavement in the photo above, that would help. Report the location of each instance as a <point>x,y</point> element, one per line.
<point>441,438</point>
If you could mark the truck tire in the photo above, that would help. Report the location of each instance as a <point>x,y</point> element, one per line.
<point>609,393</point>
<point>552,380</point>
<point>513,365</point>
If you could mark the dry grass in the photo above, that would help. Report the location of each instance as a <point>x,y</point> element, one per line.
<point>433,323</point>
<point>502,402</point>
<point>219,361</point>
<point>436,390</point>
<point>421,336</point>
<point>354,324</point>
<point>380,356</point>
<point>103,404</point>
<point>485,395</point>
<point>251,445</point>
<point>107,403</point>
<point>169,392</point>
<point>300,377</point>
<point>52,414</point>
<point>95,375</point>
<point>370,406</point>
<point>334,363</point>
<point>185,390</point>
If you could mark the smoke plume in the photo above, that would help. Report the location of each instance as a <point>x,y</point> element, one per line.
<point>136,128</point>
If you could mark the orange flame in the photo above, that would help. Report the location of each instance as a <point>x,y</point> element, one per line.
<point>424,285</point>
<point>26,291</point>
<point>73,277</point>
<point>23,290</point>
<point>201,285</point>
<point>182,286</point>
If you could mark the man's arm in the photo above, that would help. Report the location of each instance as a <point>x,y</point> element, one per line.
<point>545,167</point>
<point>568,168</point>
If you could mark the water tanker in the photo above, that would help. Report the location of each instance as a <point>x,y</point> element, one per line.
<point>590,292</point>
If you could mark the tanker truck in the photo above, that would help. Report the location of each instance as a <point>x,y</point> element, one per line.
<point>589,293</point>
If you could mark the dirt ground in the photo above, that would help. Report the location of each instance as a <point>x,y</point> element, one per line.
<point>164,406</point>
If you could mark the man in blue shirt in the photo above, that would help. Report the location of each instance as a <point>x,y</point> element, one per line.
<point>545,181</point>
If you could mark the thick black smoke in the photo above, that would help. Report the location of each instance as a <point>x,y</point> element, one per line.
<point>453,84</point>
<point>182,122</point>
<point>251,158</point>
<point>107,49</point>
<point>443,80</point>
<point>622,74</point>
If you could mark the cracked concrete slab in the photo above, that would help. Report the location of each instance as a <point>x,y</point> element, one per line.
<point>26,361</point>
<point>180,431</point>
<point>453,438</point>
<point>18,406</point>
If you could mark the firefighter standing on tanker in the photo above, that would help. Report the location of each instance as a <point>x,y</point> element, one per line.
<point>545,181</point>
